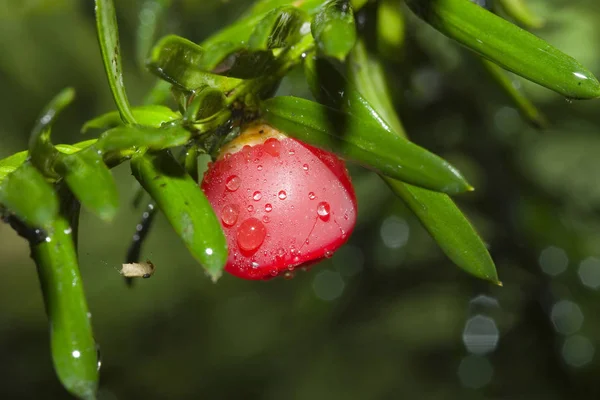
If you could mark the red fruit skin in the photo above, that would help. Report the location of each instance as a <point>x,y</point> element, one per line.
<point>282,204</point>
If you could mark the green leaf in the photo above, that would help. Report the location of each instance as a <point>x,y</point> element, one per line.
<point>74,352</point>
<point>91,181</point>
<point>41,150</point>
<point>334,30</point>
<point>9,164</point>
<point>390,29</point>
<point>263,6</point>
<point>177,61</point>
<point>449,228</point>
<point>137,137</point>
<point>509,46</point>
<point>108,37</point>
<point>362,141</point>
<point>527,109</point>
<point>231,60</point>
<point>436,211</point>
<point>151,15</point>
<point>148,115</point>
<point>279,28</point>
<point>518,10</point>
<point>26,193</point>
<point>438,214</point>
<point>204,103</point>
<point>185,206</point>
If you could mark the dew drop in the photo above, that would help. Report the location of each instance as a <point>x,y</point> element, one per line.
<point>259,167</point>
<point>266,219</point>
<point>280,252</point>
<point>257,196</point>
<point>250,208</point>
<point>272,146</point>
<point>229,214</point>
<point>251,234</point>
<point>328,254</point>
<point>288,275</point>
<point>268,207</point>
<point>255,265</point>
<point>291,152</point>
<point>305,167</point>
<point>274,272</point>
<point>282,195</point>
<point>323,210</point>
<point>233,183</point>
<point>311,195</point>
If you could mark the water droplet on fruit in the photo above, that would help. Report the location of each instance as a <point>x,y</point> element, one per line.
<point>259,167</point>
<point>229,214</point>
<point>323,210</point>
<point>282,195</point>
<point>268,207</point>
<point>311,195</point>
<point>274,272</point>
<point>288,275</point>
<point>328,254</point>
<point>251,234</point>
<point>291,152</point>
<point>250,208</point>
<point>266,219</point>
<point>280,252</point>
<point>255,264</point>
<point>233,183</point>
<point>305,167</point>
<point>257,196</point>
<point>272,146</point>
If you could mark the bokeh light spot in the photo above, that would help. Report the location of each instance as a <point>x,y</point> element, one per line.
<point>328,285</point>
<point>566,317</point>
<point>578,351</point>
<point>553,260</point>
<point>475,371</point>
<point>481,335</point>
<point>589,272</point>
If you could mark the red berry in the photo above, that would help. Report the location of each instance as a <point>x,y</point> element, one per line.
<point>282,204</point>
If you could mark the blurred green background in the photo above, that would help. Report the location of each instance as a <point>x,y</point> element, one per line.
<point>388,316</point>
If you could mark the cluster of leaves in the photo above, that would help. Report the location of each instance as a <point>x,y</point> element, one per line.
<point>230,78</point>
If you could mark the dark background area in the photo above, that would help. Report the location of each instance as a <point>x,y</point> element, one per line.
<point>388,316</point>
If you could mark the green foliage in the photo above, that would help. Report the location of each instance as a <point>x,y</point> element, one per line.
<point>230,78</point>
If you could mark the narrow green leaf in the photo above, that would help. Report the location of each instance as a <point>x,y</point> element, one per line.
<point>436,211</point>
<point>449,228</point>
<point>108,37</point>
<point>279,28</point>
<point>263,6</point>
<point>204,103</point>
<point>74,351</point>
<point>227,59</point>
<point>177,61</point>
<point>518,10</point>
<point>137,137</point>
<point>41,150</point>
<point>334,30</point>
<point>91,181</point>
<point>364,142</point>
<point>148,115</point>
<point>509,46</point>
<point>11,163</point>
<point>191,162</point>
<point>185,206</point>
<point>390,29</point>
<point>527,109</point>
<point>26,193</point>
<point>151,15</point>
